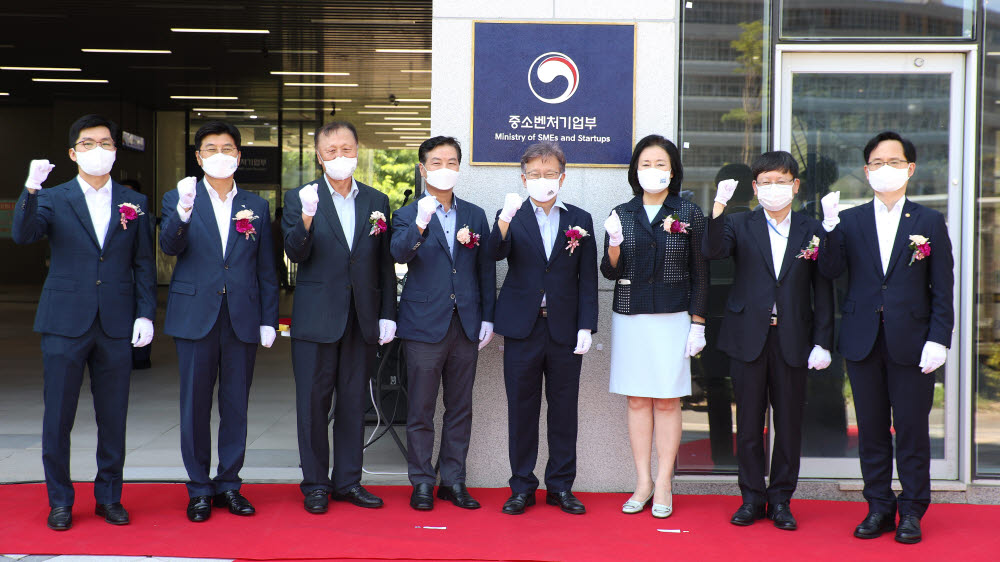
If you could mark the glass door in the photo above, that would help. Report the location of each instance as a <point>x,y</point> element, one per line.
<point>828,105</point>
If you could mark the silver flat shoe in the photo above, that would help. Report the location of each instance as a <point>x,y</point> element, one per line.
<point>631,506</point>
<point>661,511</point>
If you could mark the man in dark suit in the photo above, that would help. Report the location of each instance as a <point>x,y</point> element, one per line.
<point>335,228</point>
<point>778,323</point>
<point>223,301</point>
<point>101,289</point>
<point>547,312</point>
<point>896,327</point>
<point>445,308</point>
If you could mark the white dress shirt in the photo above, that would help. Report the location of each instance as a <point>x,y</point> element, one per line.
<point>778,233</point>
<point>223,212</point>
<point>345,209</point>
<point>886,225</point>
<point>548,227</point>
<point>99,206</point>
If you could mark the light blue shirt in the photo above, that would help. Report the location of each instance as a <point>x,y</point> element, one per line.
<point>548,227</point>
<point>448,222</point>
<point>345,209</point>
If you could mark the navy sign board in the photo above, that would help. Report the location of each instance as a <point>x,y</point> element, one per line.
<point>568,83</point>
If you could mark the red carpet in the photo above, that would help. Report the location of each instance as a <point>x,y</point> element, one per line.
<point>282,530</point>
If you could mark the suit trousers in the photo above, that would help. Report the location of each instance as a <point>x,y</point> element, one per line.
<point>525,363</point>
<point>109,361</point>
<point>320,370</point>
<point>221,356</point>
<point>450,364</point>
<point>889,395</point>
<point>756,383</point>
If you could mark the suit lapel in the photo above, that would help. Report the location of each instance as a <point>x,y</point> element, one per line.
<point>205,211</point>
<point>796,234</point>
<point>362,207</point>
<point>463,212</point>
<point>640,216</point>
<point>525,219</point>
<point>114,225</point>
<point>560,242</point>
<point>330,212</point>
<point>79,204</point>
<point>867,227</point>
<point>906,222</point>
<point>758,229</point>
<point>238,201</point>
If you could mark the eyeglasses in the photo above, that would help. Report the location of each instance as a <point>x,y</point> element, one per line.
<point>548,175</point>
<point>782,183</point>
<point>227,150</point>
<point>90,145</point>
<point>895,163</point>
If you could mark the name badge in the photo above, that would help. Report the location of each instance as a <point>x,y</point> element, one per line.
<point>624,281</point>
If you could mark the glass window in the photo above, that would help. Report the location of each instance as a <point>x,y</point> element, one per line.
<point>877,19</point>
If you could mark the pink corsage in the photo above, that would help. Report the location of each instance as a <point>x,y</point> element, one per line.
<point>377,220</point>
<point>811,251</point>
<point>467,238</point>
<point>128,212</point>
<point>244,224</point>
<point>673,224</point>
<point>921,247</point>
<point>575,234</point>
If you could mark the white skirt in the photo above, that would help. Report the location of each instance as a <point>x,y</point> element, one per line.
<point>647,355</point>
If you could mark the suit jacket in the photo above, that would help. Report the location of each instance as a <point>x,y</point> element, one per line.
<point>803,296</point>
<point>568,281</point>
<point>436,281</point>
<point>916,298</point>
<point>659,271</point>
<point>246,271</point>
<point>330,275</point>
<point>117,284</point>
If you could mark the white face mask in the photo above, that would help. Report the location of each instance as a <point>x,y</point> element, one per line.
<point>653,180</point>
<point>542,189</point>
<point>219,165</point>
<point>96,161</point>
<point>774,197</point>
<point>341,167</point>
<point>442,178</point>
<point>887,178</point>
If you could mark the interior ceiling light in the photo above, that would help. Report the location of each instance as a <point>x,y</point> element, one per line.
<point>355,21</point>
<point>415,71</point>
<point>409,128</point>
<point>334,100</point>
<point>320,84</point>
<point>41,68</point>
<point>381,124</point>
<point>414,100</point>
<point>396,106</point>
<point>219,30</point>
<point>293,73</point>
<point>230,109</point>
<point>130,51</point>
<point>204,98</point>
<point>402,50</point>
<point>407,118</point>
<point>80,80</point>
<point>387,113</point>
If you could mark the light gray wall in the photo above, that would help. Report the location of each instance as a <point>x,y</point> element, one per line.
<point>604,462</point>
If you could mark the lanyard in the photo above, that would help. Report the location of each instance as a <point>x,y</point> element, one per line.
<point>775,229</point>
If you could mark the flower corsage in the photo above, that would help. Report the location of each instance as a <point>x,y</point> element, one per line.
<point>811,251</point>
<point>128,212</point>
<point>921,247</point>
<point>377,220</point>
<point>673,224</point>
<point>575,234</point>
<point>467,238</point>
<point>244,223</point>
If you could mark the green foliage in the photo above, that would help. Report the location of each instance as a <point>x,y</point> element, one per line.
<point>750,46</point>
<point>389,171</point>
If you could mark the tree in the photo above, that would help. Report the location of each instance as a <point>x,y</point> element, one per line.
<point>750,45</point>
<point>390,171</point>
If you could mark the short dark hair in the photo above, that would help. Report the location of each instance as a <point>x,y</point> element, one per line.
<point>775,161</point>
<point>675,163</point>
<point>544,150</point>
<point>434,142</point>
<point>909,151</point>
<point>89,121</point>
<point>216,128</point>
<point>332,127</point>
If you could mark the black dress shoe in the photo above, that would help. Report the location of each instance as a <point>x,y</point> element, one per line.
<point>316,501</point>
<point>747,514</point>
<point>60,518</point>
<point>112,513</point>
<point>874,525</point>
<point>199,509</point>
<point>909,530</point>
<point>782,516</point>
<point>234,500</point>
<point>566,502</point>
<point>458,495</point>
<point>516,503</point>
<point>359,497</point>
<point>422,498</point>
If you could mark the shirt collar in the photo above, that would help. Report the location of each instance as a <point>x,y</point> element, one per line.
<point>786,222</point>
<point>896,209</point>
<point>215,194</point>
<point>352,194</point>
<point>558,204</point>
<point>105,189</point>
<point>454,204</point>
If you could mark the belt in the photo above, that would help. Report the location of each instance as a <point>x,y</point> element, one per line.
<point>543,312</point>
<point>774,320</point>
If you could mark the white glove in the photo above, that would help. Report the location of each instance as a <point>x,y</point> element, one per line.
<point>831,210</point>
<point>386,331</point>
<point>186,192</point>
<point>485,334</point>
<point>725,191</point>
<point>696,340</point>
<point>309,197</point>
<point>932,357</point>
<point>613,226</point>
<point>425,210</point>
<point>142,332</point>
<point>819,358</point>
<point>38,171</point>
<point>267,334</point>
<point>583,341</point>
<point>511,203</point>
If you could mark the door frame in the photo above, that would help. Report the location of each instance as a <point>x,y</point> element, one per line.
<point>956,464</point>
